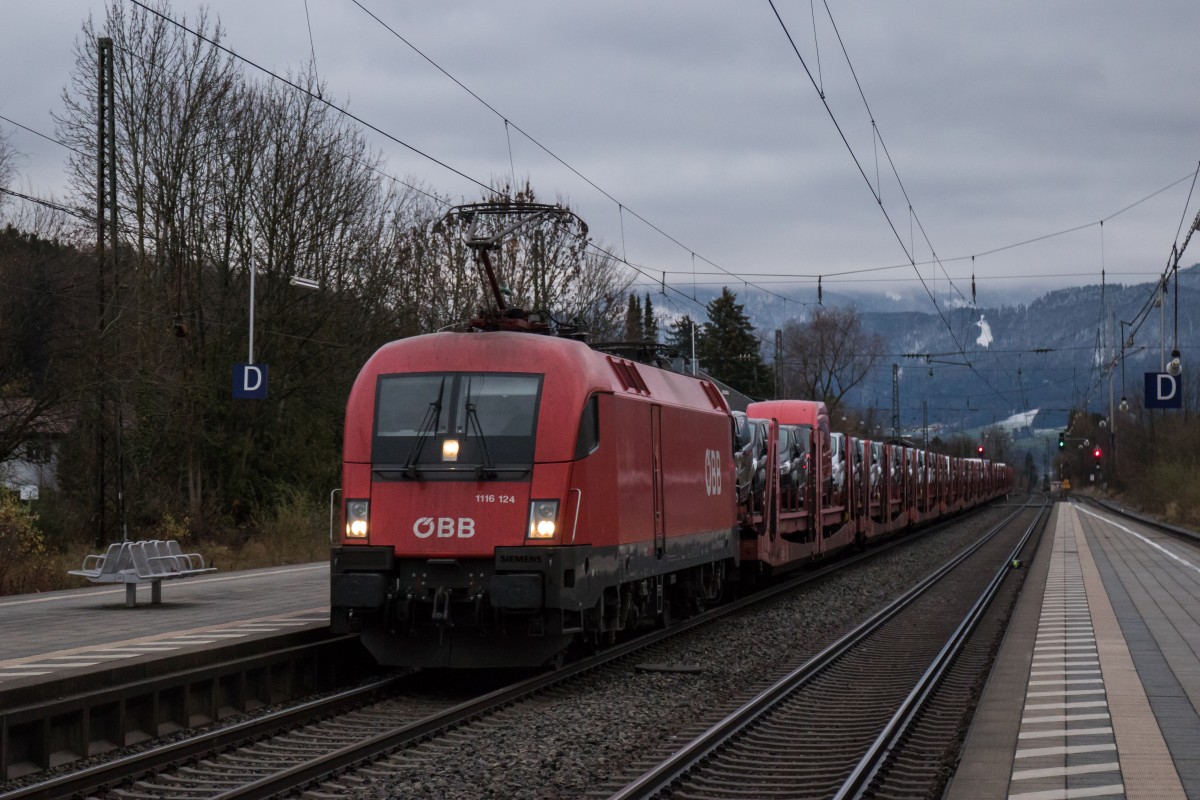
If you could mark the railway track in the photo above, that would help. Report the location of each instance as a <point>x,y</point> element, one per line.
<point>841,726</point>
<point>345,753</point>
<point>73,718</point>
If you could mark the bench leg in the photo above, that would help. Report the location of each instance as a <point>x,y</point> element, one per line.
<point>156,592</point>
<point>130,595</point>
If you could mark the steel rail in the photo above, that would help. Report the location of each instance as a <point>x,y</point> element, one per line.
<point>119,770</point>
<point>888,740</point>
<point>694,753</point>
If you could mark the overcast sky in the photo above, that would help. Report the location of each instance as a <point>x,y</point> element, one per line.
<point>1005,121</point>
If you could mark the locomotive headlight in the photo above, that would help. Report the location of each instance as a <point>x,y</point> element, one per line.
<point>450,450</point>
<point>543,519</point>
<point>358,513</point>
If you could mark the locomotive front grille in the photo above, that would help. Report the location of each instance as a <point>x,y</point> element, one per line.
<point>362,558</point>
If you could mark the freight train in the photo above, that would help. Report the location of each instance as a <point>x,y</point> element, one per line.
<point>507,495</point>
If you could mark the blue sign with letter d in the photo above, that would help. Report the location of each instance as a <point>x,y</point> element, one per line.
<point>249,381</point>
<point>1163,391</point>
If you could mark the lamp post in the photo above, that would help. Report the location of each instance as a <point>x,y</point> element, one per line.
<point>250,356</point>
<point>250,379</point>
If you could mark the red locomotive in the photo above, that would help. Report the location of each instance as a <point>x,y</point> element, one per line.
<point>507,494</point>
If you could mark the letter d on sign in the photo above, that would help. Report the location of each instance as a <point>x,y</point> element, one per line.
<point>1167,387</point>
<point>250,381</point>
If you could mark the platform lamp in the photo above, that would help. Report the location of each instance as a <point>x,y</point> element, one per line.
<point>1174,366</point>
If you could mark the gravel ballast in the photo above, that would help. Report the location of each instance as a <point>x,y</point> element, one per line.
<point>587,738</point>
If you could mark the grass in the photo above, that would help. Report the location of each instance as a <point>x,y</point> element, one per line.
<point>1170,492</point>
<point>296,531</point>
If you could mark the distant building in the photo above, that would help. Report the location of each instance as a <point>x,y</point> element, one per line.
<point>33,465</point>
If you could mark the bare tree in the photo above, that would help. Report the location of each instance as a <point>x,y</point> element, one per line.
<point>219,179</point>
<point>218,176</point>
<point>173,97</point>
<point>45,219</point>
<point>829,355</point>
<point>7,167</point>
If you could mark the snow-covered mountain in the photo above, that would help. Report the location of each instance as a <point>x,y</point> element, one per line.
<point>1028,358</point>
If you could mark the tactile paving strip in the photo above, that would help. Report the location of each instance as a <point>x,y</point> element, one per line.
<point>1066,747</point>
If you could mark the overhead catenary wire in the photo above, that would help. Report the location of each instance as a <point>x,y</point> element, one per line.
<point>1177,252</point>
<point>879,137</point>
<point>663,273</point>
<point>297,87</point>
<point>623,260</point>
<point>638,269</point>
<point>1183,216</point>
<point>660,281</point>
<point>43,135</point>
<point>877,192</point>
<point>862,172</point>
<point>312,47</point>
<point>982,253</point>
<point>553,155</point>
<point>1157,294</point>
<point>421,153</point>
<point>50,204</point>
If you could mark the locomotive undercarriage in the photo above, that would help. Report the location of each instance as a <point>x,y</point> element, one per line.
<point>473,613</point>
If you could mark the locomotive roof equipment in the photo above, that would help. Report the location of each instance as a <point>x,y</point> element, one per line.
<point>488,224</point>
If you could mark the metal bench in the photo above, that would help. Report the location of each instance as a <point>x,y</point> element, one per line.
<point>151,561</point>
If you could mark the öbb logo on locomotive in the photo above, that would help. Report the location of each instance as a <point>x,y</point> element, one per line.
<point>712,472</point>
<point>444,527</point>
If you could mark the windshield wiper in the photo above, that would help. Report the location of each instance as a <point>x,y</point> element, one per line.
<point>433,416</point>
<point>486,470</point>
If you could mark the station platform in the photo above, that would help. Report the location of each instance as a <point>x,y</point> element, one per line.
<point>1096,689</point>
<point>49,636</point>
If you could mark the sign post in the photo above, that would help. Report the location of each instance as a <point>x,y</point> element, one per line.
<point>250,379</point>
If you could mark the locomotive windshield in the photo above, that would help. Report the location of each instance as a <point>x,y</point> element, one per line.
<point>456,425</point>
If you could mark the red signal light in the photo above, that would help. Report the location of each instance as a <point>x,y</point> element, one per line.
<point>979,449</point>
<point>1096,453</point>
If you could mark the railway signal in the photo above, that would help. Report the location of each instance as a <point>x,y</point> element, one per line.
<point>1062,439</point>
<point>979,449</point>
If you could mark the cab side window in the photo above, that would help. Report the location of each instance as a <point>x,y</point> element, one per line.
<point>589,428</point>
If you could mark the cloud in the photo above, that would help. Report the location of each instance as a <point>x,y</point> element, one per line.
<point>1005,122</point>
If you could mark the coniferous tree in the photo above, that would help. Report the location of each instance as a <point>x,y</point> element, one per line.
<point>649,323</point>
<point>729,349</point>
<point>681,334</point>
<point>633,319</point>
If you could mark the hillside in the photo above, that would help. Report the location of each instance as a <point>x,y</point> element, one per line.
<point>1042,354</point>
